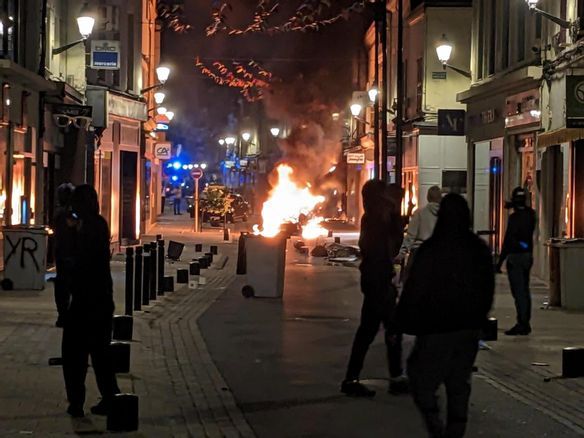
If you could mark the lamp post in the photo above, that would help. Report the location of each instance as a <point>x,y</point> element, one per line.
<point>162,74</point>
<point>159,97</point>
<point>275,131</point>
<point>373,94</point>
<point>399,141</point>
<point>169,115</point>
<point>573,26</point>
<point>85,23</point>
<point>444,51</point>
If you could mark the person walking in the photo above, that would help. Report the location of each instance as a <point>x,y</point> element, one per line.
<point>380,239</point>
<point>177,193</point>
<point>88,323</point>
<point>420,228</point>
<point>445,303</point>
<point>518,251</point>
<point>64,248</point>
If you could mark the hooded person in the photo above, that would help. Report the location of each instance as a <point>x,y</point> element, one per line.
<point>379,242</point>
<point>88,325</point>
<point>518,251</point>
<point>445,303</point>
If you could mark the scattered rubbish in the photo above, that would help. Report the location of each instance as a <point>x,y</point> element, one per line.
<point>540,364</point>
<point>319,251</point>
<point>336,250</point>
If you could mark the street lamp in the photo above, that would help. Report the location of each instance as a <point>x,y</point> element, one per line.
<point>221,141</point>
<point>162,73</point>
<point>356,109</point>
<point>85,23</point>
<point>275,131</point>
<point>159,97</point>
<point>246,136</point>
<point>230,140</point>
<point>161,110</point>
<point>203,166</point>
<point>373,92</point>
<point>444,52</point>
<point>573,26</point>
<point>169,115</point>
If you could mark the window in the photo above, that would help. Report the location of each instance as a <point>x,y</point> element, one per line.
<point>5,102</point>
<point>419,85</point>
<point>505,35</point>
<point>8,29</point>
<point>492,37</point>
<point>521,11</point>
<point>481,35</point>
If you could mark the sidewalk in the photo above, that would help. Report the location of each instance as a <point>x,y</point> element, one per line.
<point>181,392</point>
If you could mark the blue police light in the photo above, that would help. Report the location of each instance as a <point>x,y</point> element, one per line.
<point>174,178</point>
<point>177,165</point>
<point>169,165</point>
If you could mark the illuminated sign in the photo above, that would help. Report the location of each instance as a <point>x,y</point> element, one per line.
<point>355,158</point>
<point>161,127</point>
<point>163,151</point>
<point>105,55</point>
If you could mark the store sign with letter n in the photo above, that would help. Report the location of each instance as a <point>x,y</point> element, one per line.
<point>451,122</point>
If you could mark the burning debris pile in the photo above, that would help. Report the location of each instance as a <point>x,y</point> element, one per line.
<point>288,203</point>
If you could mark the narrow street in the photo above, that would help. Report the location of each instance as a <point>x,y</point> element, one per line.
<point>209,362</point>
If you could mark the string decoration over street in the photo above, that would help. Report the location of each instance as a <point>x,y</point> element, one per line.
<point>172,16</point>
<point>311,15</point>
<point>251,78</point>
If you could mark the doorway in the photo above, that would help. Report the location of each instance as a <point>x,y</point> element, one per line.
<point>128,192</point>
<point>578,188</point>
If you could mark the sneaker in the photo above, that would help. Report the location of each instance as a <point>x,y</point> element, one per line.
<point>518,331</point>
<point>354,388</point>
<point>102,408</point>
<point>399,385</point>
<point>75,411</point>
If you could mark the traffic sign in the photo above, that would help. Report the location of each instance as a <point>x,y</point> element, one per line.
<point>196,173</point>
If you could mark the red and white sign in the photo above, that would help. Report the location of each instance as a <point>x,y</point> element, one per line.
<point>196,173</point>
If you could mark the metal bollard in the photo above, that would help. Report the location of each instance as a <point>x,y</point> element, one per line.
<point>158,237</point>
<point>120,356</point>
<point>129,280</point>
<point>146,277</point>
<point>153,270</point>
<point>198,247</point>
<point>214,249</point>
<point>160,266</point>
<point>123,415</point>
<point>138,279</point>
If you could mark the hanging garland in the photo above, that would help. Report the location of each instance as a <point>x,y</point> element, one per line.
<point>173,17</point>
<point>308,17</point>
<point>252,79</point>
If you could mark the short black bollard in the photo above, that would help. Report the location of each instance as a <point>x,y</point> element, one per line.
<point>241,259</point>
<point>203,262</point>
<point>122,327</point>
<point>337,239</point>
<point>182,276</point>
<point>138,279</point>
<point>146,277</point>
<point>123,414</point>
<point>489,332</point>
<point>214,249</point>
<point>225,234</point>
<point>160,267</point>
<point>330,233</point>
<point>158,237</point>
<point>129,280</point>
<point>573,362</point>
<point>198,247</point>
<point>153,270</point>
<point>120,356</point>
<point>168,283</point>
<point>209,257</point>
<point>194,268</point>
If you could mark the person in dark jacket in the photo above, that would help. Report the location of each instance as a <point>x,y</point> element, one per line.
<point>64,246</point>
<point>88,325</point>
<point>445,303</point>
<point>380,240</point>
<point>518,251</point>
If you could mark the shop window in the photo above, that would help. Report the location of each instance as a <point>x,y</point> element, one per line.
<point>9,29</point>
<point>419,85</point>
<point>5,102</point>
<point>454,181</point>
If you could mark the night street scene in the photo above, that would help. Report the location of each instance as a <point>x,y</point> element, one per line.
<point>292,218</point>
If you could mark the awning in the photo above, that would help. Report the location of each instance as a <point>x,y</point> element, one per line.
<point>559,136</point>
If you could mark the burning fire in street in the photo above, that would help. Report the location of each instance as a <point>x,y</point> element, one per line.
<point>286,203</point>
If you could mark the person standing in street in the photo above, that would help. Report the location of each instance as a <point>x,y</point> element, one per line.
<point>64,247</point>
<point>163,198</point>
<point>177,193</point>
<point>88,324</point>
<point>445,303</point>
<point>380,239</point>
<point>421,227</point>
<point>518,251</point>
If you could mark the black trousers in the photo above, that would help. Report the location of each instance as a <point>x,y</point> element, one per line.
<point>444,358</point>
<point>162,204</point>
<point>63,288</point>
<point>518,270</point>
<point>81,339</point>
<point>176,204</point>
<point>378,308</point>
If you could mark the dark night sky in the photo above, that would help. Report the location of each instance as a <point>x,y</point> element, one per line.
<point>324,59</point>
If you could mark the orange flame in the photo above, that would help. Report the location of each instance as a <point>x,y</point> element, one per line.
<point>286,203</point>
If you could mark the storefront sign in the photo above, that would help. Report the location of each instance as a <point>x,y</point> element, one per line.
<point>451,122</point>
<point>105,55</point>
<point>161,127</point>
<point>439,75</point>
<point>72,110</point>
<point>163,151</point>
<point>575,102</point>
<point>355,158</point>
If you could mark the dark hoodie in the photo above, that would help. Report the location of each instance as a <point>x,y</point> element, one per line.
<point>381,230</point>
<point>93,286</point>
<point>451,283</point>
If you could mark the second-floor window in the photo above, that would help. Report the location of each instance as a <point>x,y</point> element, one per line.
<point>8,29</point>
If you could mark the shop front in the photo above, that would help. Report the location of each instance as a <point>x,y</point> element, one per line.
<point>118,166</point>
